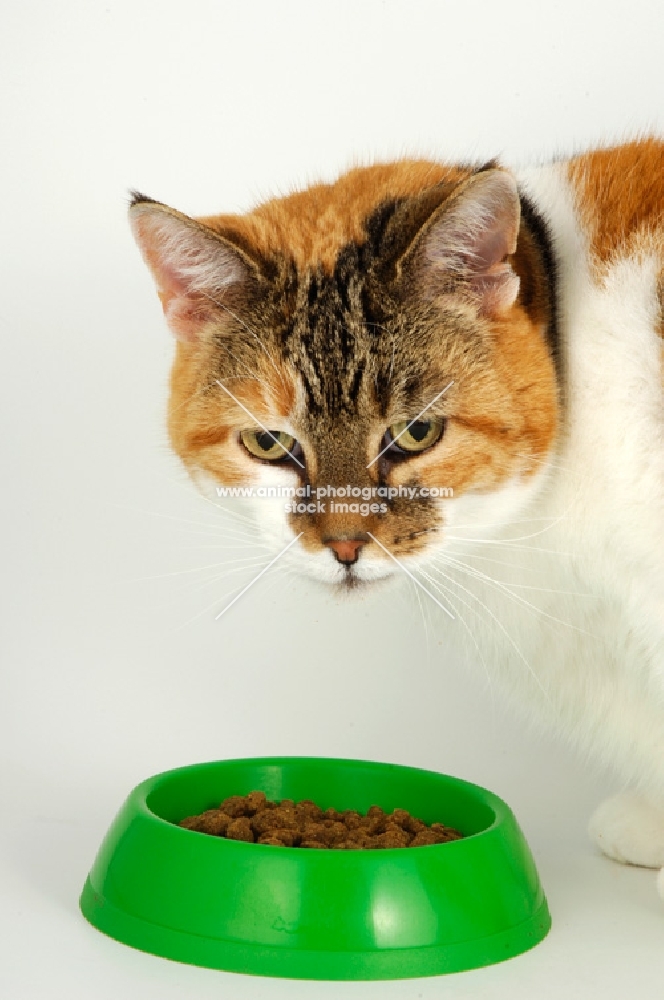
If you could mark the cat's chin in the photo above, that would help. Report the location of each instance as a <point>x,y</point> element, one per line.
<point>351,584</point>
<point>321,568</point>
<point>354,582</point>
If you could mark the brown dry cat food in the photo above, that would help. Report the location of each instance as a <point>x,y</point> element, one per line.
<point>256,820</point>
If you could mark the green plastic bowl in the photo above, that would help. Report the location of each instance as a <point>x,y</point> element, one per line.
<point>325,914</point>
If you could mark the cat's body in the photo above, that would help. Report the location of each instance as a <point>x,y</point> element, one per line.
<point>335,317</point>
<point>597,528</point>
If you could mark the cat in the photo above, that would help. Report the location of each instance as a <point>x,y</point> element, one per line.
<point>476,355</point>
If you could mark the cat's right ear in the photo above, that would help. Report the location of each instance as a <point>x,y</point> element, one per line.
<point>194,268</point>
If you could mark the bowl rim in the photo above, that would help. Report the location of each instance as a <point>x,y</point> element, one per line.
<point>499,808</point>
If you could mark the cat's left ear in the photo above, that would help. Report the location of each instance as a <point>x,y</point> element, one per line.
<point>466,244</point>
<point>194,268</point>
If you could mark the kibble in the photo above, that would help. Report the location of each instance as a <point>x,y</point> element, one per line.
<point>255,819</point>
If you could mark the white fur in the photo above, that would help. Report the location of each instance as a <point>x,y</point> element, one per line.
<point>601,515</point>
<point>630,829</point>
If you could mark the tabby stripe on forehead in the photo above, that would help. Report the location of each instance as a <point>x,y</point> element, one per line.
<point>354,388</point>
<point>327,340</point>
<point>377,223</point>
<point>314,399</point>
<point>313,290</point>
<point>311,368</point>
<point>334,304</point>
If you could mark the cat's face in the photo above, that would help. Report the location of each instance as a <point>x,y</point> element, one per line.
<point>378,346</point>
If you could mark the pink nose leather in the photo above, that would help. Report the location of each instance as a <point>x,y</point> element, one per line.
<point>346,551</point>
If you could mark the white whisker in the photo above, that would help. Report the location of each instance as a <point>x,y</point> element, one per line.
<point>547,461</point>
<point>189,588</point>
<point>408,573</point>
<point>522,586</point>
<point>520,538</point>
<point>424,621</point>
<point>505,524</point>
<point>219,537</point>
<point>230,543</point>
<point>501,627</point>
<point>507,544</point>
<point>199,569</point>
<point>247,519</point>
<point>175,517</point>
<point>192,586</point>
<point>484,578</point>
<point>440,587</point>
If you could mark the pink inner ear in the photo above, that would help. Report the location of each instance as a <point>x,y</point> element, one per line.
<point>497,292</point>
<point>493,245</point>
<point>473,237</point>
<point>184,318</point>
<point>191,268</point>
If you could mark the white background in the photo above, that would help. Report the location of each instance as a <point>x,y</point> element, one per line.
<point>112,674</point>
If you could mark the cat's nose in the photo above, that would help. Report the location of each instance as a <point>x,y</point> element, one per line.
<point>346,550</point>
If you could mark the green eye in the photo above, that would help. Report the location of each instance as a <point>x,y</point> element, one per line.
<point>270,447</point>
<point>419,436</point>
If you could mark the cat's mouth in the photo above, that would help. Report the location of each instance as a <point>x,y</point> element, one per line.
<point>351,580</point>
<point>349,567</point>
<point>356,575</point>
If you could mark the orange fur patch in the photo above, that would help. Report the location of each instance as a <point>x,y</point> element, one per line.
<point>620,196</point>
<point>504,419</point>
<point>314,225</point>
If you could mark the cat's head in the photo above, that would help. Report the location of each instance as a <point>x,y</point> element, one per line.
<point>387,333</point>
